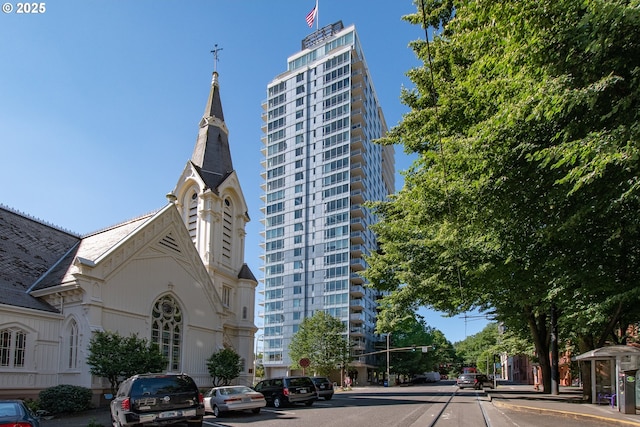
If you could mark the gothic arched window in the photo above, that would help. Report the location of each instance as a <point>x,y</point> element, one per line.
<point>227,227</point>
<point>166,330</point>
<point>191,203</point>
<point>72,344</point>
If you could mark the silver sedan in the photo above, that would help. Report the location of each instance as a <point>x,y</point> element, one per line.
<point>219,400</point>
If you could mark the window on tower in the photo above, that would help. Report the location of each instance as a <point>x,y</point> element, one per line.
<point>192,213</point>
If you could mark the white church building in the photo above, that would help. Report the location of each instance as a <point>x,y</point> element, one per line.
<point>176,277</point>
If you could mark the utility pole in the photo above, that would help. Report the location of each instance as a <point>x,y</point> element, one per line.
<point>388,335</point>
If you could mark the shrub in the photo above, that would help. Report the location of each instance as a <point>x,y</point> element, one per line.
<point>33,405</point>
<point>65,398</point>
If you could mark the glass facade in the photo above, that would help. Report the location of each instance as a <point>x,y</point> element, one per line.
<point>320,166</point>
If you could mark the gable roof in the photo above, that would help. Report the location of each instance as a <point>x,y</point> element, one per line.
<point>29,249</point>
<point>91,247</point>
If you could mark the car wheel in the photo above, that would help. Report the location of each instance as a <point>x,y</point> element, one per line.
<point>256,410</point>
<point>328,397</point>
<point>309,402</point>
<point>277,402</point>
<point>216,411</point>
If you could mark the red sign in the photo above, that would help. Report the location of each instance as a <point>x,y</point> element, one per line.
<point>304,362</point>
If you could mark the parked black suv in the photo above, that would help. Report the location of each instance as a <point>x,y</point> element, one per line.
<point>324,387</point>
<point>157,399</point>
<point>287,390</point>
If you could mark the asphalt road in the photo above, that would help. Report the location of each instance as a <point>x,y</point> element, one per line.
<point>398,407</point>
<point>374,407</point>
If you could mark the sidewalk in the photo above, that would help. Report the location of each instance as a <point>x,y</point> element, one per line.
<point>91,418</point>
<point>568,404</point>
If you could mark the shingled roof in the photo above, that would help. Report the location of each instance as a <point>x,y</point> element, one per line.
<point>29,248</point>
<point>211,155</point>
<point>90,248</point>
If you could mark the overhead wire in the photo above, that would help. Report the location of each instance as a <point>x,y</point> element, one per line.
<point>439,136</point>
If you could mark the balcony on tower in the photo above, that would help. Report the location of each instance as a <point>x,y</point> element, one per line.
<point>357,291</point>
<point>357,264</point>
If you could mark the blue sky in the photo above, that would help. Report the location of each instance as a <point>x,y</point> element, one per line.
<point>100,99</point>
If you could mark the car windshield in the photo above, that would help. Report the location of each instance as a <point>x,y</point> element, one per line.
<point>235,390</point>
<point>9,409</point>
<point>299,381</point>
<point>161,385</point>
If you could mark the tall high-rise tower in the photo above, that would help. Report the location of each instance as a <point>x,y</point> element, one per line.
<point>320,118</point>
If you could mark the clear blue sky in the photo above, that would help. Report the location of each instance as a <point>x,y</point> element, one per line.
<point>100,99</point>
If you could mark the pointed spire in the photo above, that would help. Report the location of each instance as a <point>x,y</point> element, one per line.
<point>211,154</point>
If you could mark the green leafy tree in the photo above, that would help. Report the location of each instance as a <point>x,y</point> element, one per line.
<point>473,348</point>
<point>116,358</point>
<point>321,339</point>
<point>224,366</point>
<point>524,196</point>
<point>443,352</point>
<point>413,331</point>
<point>259,366</point>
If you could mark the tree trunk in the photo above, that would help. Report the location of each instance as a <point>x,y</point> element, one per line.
<point>585,343</point>
<point>555,371</point>
<point>540,333</point>
<point>585,373</point>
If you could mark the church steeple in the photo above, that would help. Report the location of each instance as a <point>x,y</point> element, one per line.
<point>211,154</point>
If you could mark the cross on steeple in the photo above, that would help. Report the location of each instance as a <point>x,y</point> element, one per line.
<point>215,52</point>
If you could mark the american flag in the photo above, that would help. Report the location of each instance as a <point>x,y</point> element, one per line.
<point>312,15</point>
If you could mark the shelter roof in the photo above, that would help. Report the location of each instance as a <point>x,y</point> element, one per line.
<point>609,352</point>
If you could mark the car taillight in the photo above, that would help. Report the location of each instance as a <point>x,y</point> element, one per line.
<point>201,398</point>
<point>19,424</point>
<point>285,391</point>
<point>233,399</point>
<point>257,396</point>
<point>125,404</point>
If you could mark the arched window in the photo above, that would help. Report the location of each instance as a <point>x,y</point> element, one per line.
<point>227,227</point>
<point>166,330</point>
<point>192,215</point>
<point>72,344</point>
<point>13,346</point>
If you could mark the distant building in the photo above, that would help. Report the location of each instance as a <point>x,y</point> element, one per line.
<point>176,277</point>
<point>321,116</point>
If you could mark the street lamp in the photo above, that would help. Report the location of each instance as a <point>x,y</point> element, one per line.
<point>255,357</point>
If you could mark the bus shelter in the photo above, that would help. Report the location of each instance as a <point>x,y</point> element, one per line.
<point>613,373</point>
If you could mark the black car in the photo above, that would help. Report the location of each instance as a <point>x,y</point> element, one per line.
<point>284,391</point>
<point>16,413</point>
<point>324,387</point>
<point>157,399</point>
<point>474,380</point>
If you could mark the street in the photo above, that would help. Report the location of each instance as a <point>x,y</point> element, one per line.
<point>424,405</point>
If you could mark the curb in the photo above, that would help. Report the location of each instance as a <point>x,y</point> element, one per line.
<point>566,414</point>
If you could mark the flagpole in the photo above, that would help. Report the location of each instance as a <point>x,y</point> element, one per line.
<point>317,16</point>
